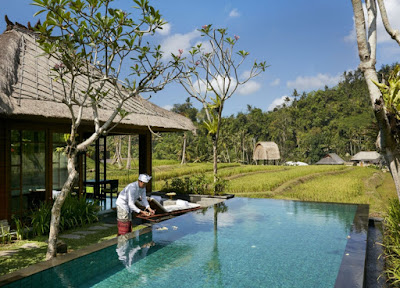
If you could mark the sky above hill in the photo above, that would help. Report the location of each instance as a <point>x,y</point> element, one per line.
<point>308,44</point>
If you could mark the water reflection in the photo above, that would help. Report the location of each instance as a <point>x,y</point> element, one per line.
<point>130,252</point>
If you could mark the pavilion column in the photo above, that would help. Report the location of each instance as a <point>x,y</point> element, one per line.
<point>4,168</point>
<point>145,157</point>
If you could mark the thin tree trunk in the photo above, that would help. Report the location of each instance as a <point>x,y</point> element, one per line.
<point>119,157</point>
<point>128,161</point>
<point>367,54</point>
<point>184,149</point>
<point>59,201</point>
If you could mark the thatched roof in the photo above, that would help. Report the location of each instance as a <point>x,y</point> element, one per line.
<point>367,156</point>
<point>27,91</point>
<point>266,151</point>
<point>331,159</point>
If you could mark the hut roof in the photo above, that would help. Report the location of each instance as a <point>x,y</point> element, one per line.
<point>28,91</point>
<point>331,159</point>
<point>266,151</point>
<point>371,156</point>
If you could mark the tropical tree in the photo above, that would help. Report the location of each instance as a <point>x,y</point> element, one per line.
<point>212,77</point>
<point>91,41</point>
<point>387,119</point>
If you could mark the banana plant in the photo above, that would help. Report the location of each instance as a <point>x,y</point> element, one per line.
<point>391,92</point>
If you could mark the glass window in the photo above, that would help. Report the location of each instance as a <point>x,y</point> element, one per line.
<point>60,161</point>
<point>27,169</point>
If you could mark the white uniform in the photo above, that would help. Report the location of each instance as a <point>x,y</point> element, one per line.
<point>128,196</point>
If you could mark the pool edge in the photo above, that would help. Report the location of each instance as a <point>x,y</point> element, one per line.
<point>352,269</point>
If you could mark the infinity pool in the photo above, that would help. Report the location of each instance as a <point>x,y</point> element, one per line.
<point>241,243</point>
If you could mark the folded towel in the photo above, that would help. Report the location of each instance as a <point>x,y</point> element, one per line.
<point>182,203</point>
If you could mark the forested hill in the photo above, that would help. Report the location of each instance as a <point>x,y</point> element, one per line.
<point>306,127</point>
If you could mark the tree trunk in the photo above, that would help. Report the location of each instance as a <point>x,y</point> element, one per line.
<point>56,210</point>
<point>215,157</point>
<point>367,54</point>
<point>119,157</point>
<point>128,161</point>
<point>184,149</point>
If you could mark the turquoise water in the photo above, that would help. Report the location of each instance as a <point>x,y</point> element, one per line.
<point>242,243</point>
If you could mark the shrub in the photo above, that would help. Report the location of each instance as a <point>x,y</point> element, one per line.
<point>188,185</point>
<point>220,186</point>
<point>391,243</point>
<point>75,212</point>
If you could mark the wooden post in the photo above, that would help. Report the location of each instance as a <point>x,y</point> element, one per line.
<point>145,157</point>
<point>4,168</point>
<point>48,159</point>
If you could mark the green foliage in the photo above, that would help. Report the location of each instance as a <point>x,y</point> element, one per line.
<point>391,242</point>
<point>391,92</point>
<point>21,229</point>
<point>75,212</point>
<point>306,127</point>
<point>187,185</point>
<point>41,219</point>
<point>220,185</point>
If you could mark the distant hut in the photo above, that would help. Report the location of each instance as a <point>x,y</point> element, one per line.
<point>331,159</point>
<point>266,151</point>
<point>365,158</point>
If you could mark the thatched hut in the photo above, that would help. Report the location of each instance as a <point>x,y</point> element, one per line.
<point>365,158</point>
<point>33,121</point>
<point>331,159</point>
<point>266,151</point>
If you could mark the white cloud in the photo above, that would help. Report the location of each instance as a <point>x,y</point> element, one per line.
<point>277,102</point>
<point>167,107</point>
<point>392,10</point>
<point>276,82</point>
<point>234,13</point>
<point>219,85</point>
<point>314,82</point>
<point>166,29</point>
<point>249,87</point>
<point>178,41</point>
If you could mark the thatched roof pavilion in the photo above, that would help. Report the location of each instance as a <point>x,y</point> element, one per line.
<point>331,159</point>
<point>367,157</point>
<point>27,91</point>
<point>33,120</point>
<point>266,151</point>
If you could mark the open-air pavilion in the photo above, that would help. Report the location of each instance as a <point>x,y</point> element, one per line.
<point>34,121</point>
<point>266,152</point>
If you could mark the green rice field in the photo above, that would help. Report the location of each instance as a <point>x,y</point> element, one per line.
<point>330,183</point>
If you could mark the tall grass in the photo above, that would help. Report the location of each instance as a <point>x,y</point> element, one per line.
<point>391,242</point>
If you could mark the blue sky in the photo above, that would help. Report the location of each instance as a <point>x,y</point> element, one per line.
<point>309,44</point>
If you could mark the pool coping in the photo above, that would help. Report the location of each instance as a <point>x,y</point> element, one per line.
<point>351,272</point>
<point>353,267</point>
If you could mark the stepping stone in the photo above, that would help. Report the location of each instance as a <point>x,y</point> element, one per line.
<point>110,225</point>
<point>30,246</point>
<point>83,232</point>
<point>7,253</point>
<point>97,228</point>
<point>71,236</point>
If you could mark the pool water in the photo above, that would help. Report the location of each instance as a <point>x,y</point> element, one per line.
<point>240,243</point>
